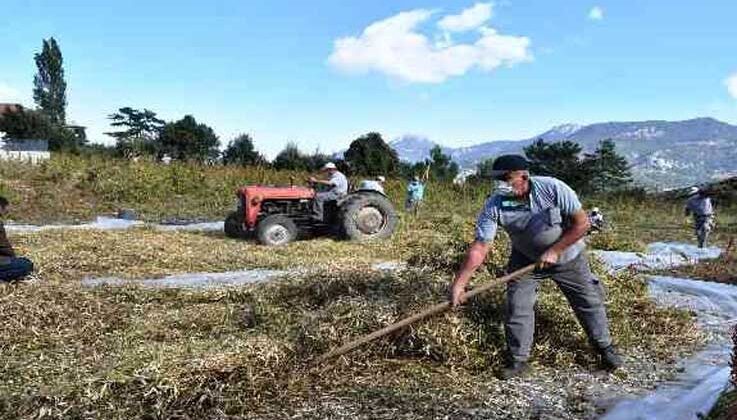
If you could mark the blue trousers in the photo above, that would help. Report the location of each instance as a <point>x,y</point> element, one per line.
<point>15,269</point>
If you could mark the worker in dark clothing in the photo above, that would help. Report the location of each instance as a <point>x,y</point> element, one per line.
<point>699,205</point>
<point>546,224</point>
<point>11,267</point>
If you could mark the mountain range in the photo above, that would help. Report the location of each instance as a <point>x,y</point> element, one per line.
<point>663,154</point>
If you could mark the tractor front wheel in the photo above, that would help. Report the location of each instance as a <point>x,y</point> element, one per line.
<point>276,230</point>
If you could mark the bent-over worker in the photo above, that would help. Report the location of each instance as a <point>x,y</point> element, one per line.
<point>546,223</point>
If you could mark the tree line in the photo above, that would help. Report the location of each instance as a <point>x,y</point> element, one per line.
<point>142,133</point>
<point>603,170</point>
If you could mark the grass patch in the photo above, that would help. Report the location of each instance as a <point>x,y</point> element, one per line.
<point>612,240</point>
<point>72,189</point>
<point>69,255</point>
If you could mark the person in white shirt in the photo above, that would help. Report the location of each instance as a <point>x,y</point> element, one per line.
<point>337,187</point>
<point>376,184</point>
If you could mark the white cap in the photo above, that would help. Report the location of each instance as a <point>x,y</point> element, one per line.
<point>693,190</point>
<point>380,178</point>
<point>329,165</point>
<point>595,209</point>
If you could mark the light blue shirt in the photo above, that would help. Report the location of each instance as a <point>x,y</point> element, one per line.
<point>415,191</point>
<point>536,225</point>
<point>339,183</point>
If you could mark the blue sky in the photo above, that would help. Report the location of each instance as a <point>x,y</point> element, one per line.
<point>322,72</point>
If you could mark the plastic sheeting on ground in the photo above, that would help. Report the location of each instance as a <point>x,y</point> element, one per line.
<point>224,279</point>
<point>112,223</point>
<point>191,227</point>
<point>192,280</point>
<point>706,374</point>
<point>102,223</point>
<point>659,255</point>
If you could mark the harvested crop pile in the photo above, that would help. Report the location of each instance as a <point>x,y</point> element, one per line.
<point>70,255</point>
<point>123,353</point>
<point>722,269</point>
<point>611,240</point>
<point>440,245</point>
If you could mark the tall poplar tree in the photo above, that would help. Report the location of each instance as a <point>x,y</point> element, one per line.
<point>49,87</point>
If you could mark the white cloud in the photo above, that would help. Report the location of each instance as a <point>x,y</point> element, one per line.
<point>596,13</point>
<point>8,93</point>
<point>469,19</point>
<point>731,83</point>
<point>395,47</point>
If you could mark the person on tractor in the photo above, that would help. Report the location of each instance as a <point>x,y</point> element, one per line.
<point>546,224</point>
<point>376,184</point>
<point>336,188</point>
<point>699,205</point>
<point>381,180</point>
<point>11,266</point>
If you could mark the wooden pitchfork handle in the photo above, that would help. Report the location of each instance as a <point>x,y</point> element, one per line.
<point>433,310</point>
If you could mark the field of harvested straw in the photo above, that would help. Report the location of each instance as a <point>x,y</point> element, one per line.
<point>131,352</point>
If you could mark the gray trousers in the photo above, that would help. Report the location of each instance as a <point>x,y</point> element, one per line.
<point>318,203</point>
<point>702,227</point>
<point>581,288</point>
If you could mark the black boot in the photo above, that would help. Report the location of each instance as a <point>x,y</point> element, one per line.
<point>610,358</point>
<point>515,370</point>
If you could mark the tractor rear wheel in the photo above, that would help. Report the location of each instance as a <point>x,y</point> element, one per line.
<point>367,216</point>
<point>276,230</point>
<point>233,226</point>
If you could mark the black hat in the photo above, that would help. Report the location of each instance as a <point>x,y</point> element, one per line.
<point>508,163</point>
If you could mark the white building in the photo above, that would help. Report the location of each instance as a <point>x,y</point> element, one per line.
<point>32,151</point>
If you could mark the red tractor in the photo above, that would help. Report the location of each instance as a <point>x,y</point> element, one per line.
<point>279,215</point>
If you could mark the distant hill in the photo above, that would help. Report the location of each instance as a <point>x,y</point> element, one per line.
<point>663,154</point>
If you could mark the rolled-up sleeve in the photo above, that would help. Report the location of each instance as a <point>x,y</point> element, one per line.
<point>487,222</point>
<point>567,199</point>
